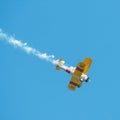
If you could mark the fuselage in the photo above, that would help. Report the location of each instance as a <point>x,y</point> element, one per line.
<point>82,78</point>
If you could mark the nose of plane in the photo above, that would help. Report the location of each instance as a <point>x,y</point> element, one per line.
<point>87,80</point>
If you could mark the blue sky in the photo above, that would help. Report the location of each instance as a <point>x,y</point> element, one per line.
<point>31,88</point>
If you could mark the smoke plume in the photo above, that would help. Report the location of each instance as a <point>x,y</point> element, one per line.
<point>30,50</point>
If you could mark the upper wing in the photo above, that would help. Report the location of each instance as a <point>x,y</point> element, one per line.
<point>87,62</point>
<point>75,82</point>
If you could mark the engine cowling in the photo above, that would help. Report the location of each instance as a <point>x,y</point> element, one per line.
<point>87,80</point>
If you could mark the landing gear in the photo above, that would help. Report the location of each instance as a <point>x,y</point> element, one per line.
<point>78,86</point>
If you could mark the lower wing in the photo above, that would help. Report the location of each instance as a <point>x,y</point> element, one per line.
<point>74,83</point>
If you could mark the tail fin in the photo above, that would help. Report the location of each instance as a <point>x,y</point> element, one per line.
<point>57,67</point>
<point>60,62</point>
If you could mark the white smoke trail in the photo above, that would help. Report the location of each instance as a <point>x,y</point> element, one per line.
<point>17,43</point>
<point>24,46</point>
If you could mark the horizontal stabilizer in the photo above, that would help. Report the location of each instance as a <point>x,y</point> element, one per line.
<point>57,67</point>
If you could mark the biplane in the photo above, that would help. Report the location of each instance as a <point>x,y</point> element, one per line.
<point>79,74</point>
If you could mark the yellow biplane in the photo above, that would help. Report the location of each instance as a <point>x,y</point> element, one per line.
<point>79,74</point>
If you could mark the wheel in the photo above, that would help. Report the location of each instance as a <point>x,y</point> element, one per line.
<point>78,86</point>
